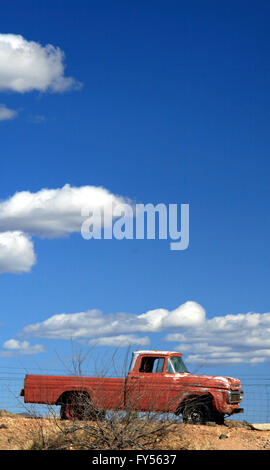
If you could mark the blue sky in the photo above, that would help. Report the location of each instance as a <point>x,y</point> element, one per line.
<point>168,103</point>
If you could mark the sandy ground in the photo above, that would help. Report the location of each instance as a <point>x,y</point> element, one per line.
<point>22,433</point>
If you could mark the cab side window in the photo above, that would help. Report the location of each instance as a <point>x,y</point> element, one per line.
<point>151,364</point>
<point>158,364</point>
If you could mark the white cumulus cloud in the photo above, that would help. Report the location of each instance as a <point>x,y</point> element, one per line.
<point>54,212</point>
<point>16,253</point>
<point>27,65</point>
<point>13,347</point>
<point>224,339</point>
<point>95,324</point>
<point>230,338</point>
<point>186,315</point>
<point>48,213</point>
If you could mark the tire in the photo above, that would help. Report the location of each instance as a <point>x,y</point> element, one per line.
<point>197,411</point>
<point>71,409</point>
<point>78,406</point>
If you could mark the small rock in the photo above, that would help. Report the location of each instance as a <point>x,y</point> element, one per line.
<point>260,426</point>
<point>3,426</point>
<point>223,436</point>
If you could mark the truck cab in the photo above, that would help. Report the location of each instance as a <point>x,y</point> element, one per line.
<point>164,384</point>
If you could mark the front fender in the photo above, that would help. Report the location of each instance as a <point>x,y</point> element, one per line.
<point>221,405</point>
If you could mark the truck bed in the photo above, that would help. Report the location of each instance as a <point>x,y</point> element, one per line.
<point>106,393</point>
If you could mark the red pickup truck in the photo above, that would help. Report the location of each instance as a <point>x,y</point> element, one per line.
<point>157,381</point>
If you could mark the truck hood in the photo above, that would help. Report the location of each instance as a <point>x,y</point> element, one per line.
<point>211,381</point>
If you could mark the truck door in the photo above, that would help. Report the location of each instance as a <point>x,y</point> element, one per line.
<point>145,387</point>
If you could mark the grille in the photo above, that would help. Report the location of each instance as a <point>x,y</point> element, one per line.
<point>234,396</point>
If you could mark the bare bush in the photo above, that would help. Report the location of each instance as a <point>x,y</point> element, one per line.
<point>117,431</point>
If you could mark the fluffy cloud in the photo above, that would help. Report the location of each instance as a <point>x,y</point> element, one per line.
<point>224,339</point>
<point>16,253</point>
<point>48,213</point>
<point>94,324</point>
<point>13,347</point>
<point>54,212</point>
<point>227,339</point>
<point>27,65</point>
<point>7,114</point>
<point>186,315</point>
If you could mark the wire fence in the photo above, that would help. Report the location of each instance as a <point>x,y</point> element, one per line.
<point>256,400</point>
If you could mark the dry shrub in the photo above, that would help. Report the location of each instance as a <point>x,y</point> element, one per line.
<point>118,431</point>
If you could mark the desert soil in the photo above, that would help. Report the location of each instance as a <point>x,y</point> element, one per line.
<point>22,433</point>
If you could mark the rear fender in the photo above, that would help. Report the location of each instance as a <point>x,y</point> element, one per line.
<point>71,394</point>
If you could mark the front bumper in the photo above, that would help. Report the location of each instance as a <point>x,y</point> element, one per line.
<point>237,410</point>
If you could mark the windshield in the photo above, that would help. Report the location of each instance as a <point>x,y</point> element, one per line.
<point>176,365</point>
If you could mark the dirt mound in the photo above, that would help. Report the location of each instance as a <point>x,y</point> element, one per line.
<point>23,433</point>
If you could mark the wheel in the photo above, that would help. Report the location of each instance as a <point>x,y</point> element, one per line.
<point>79,407</point>
<point>197,412</point>
<point>71,410</point>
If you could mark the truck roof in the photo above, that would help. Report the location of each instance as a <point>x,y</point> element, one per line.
<point>154,351</point>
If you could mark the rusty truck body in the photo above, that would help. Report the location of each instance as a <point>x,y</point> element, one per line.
<point>157,381</point>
